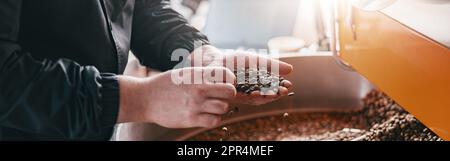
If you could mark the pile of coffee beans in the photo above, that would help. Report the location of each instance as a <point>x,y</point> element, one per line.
<point>289,126</point>
<point>388,121</point>
<point>380,120</point>
<point>250,79</point>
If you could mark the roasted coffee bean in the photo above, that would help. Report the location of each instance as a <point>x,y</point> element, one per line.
<point>233,111</point>
<point>236,109</point>
<point>249,80</point>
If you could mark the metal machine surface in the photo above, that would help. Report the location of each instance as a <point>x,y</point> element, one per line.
<point>402,47</point>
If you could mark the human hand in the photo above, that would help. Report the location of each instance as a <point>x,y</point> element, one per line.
<point>157,99</point>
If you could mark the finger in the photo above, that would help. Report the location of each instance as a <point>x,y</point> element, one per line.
<point>283,91</point>
<point>286,83</point>
<point>269,94</point>
<point>224,91</point>
<point>255,93</point>
<point>283,67</point>
<point>214,106</point>
<point>207,120</point>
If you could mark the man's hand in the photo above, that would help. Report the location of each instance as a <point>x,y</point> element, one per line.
<point>210,56</point>
<point>159,100</point>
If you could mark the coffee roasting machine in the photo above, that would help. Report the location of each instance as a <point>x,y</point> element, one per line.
<point>403,47</point>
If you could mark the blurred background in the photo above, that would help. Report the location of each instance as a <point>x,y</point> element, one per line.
<point>293,26</point>
<point>342,51</point>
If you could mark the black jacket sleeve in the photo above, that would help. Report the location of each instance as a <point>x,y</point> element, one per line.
<point>158,30</point>
<point>50,100</point>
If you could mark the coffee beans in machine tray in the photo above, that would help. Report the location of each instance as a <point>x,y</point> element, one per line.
<point>381,119</point>
<point>388,121</point>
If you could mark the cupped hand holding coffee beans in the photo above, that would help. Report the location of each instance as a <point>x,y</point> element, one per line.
<point>249,92</point>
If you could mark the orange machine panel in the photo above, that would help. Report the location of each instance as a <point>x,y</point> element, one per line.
<point>411,68</point>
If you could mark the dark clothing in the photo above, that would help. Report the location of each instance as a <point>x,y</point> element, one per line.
<point>58,60</point>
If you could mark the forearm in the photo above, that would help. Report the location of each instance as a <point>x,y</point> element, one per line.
<point>55,99</point>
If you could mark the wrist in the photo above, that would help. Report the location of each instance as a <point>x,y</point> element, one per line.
<point>130,108</point>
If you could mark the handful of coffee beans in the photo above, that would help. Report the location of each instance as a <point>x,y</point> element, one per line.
<point>250,79</point>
